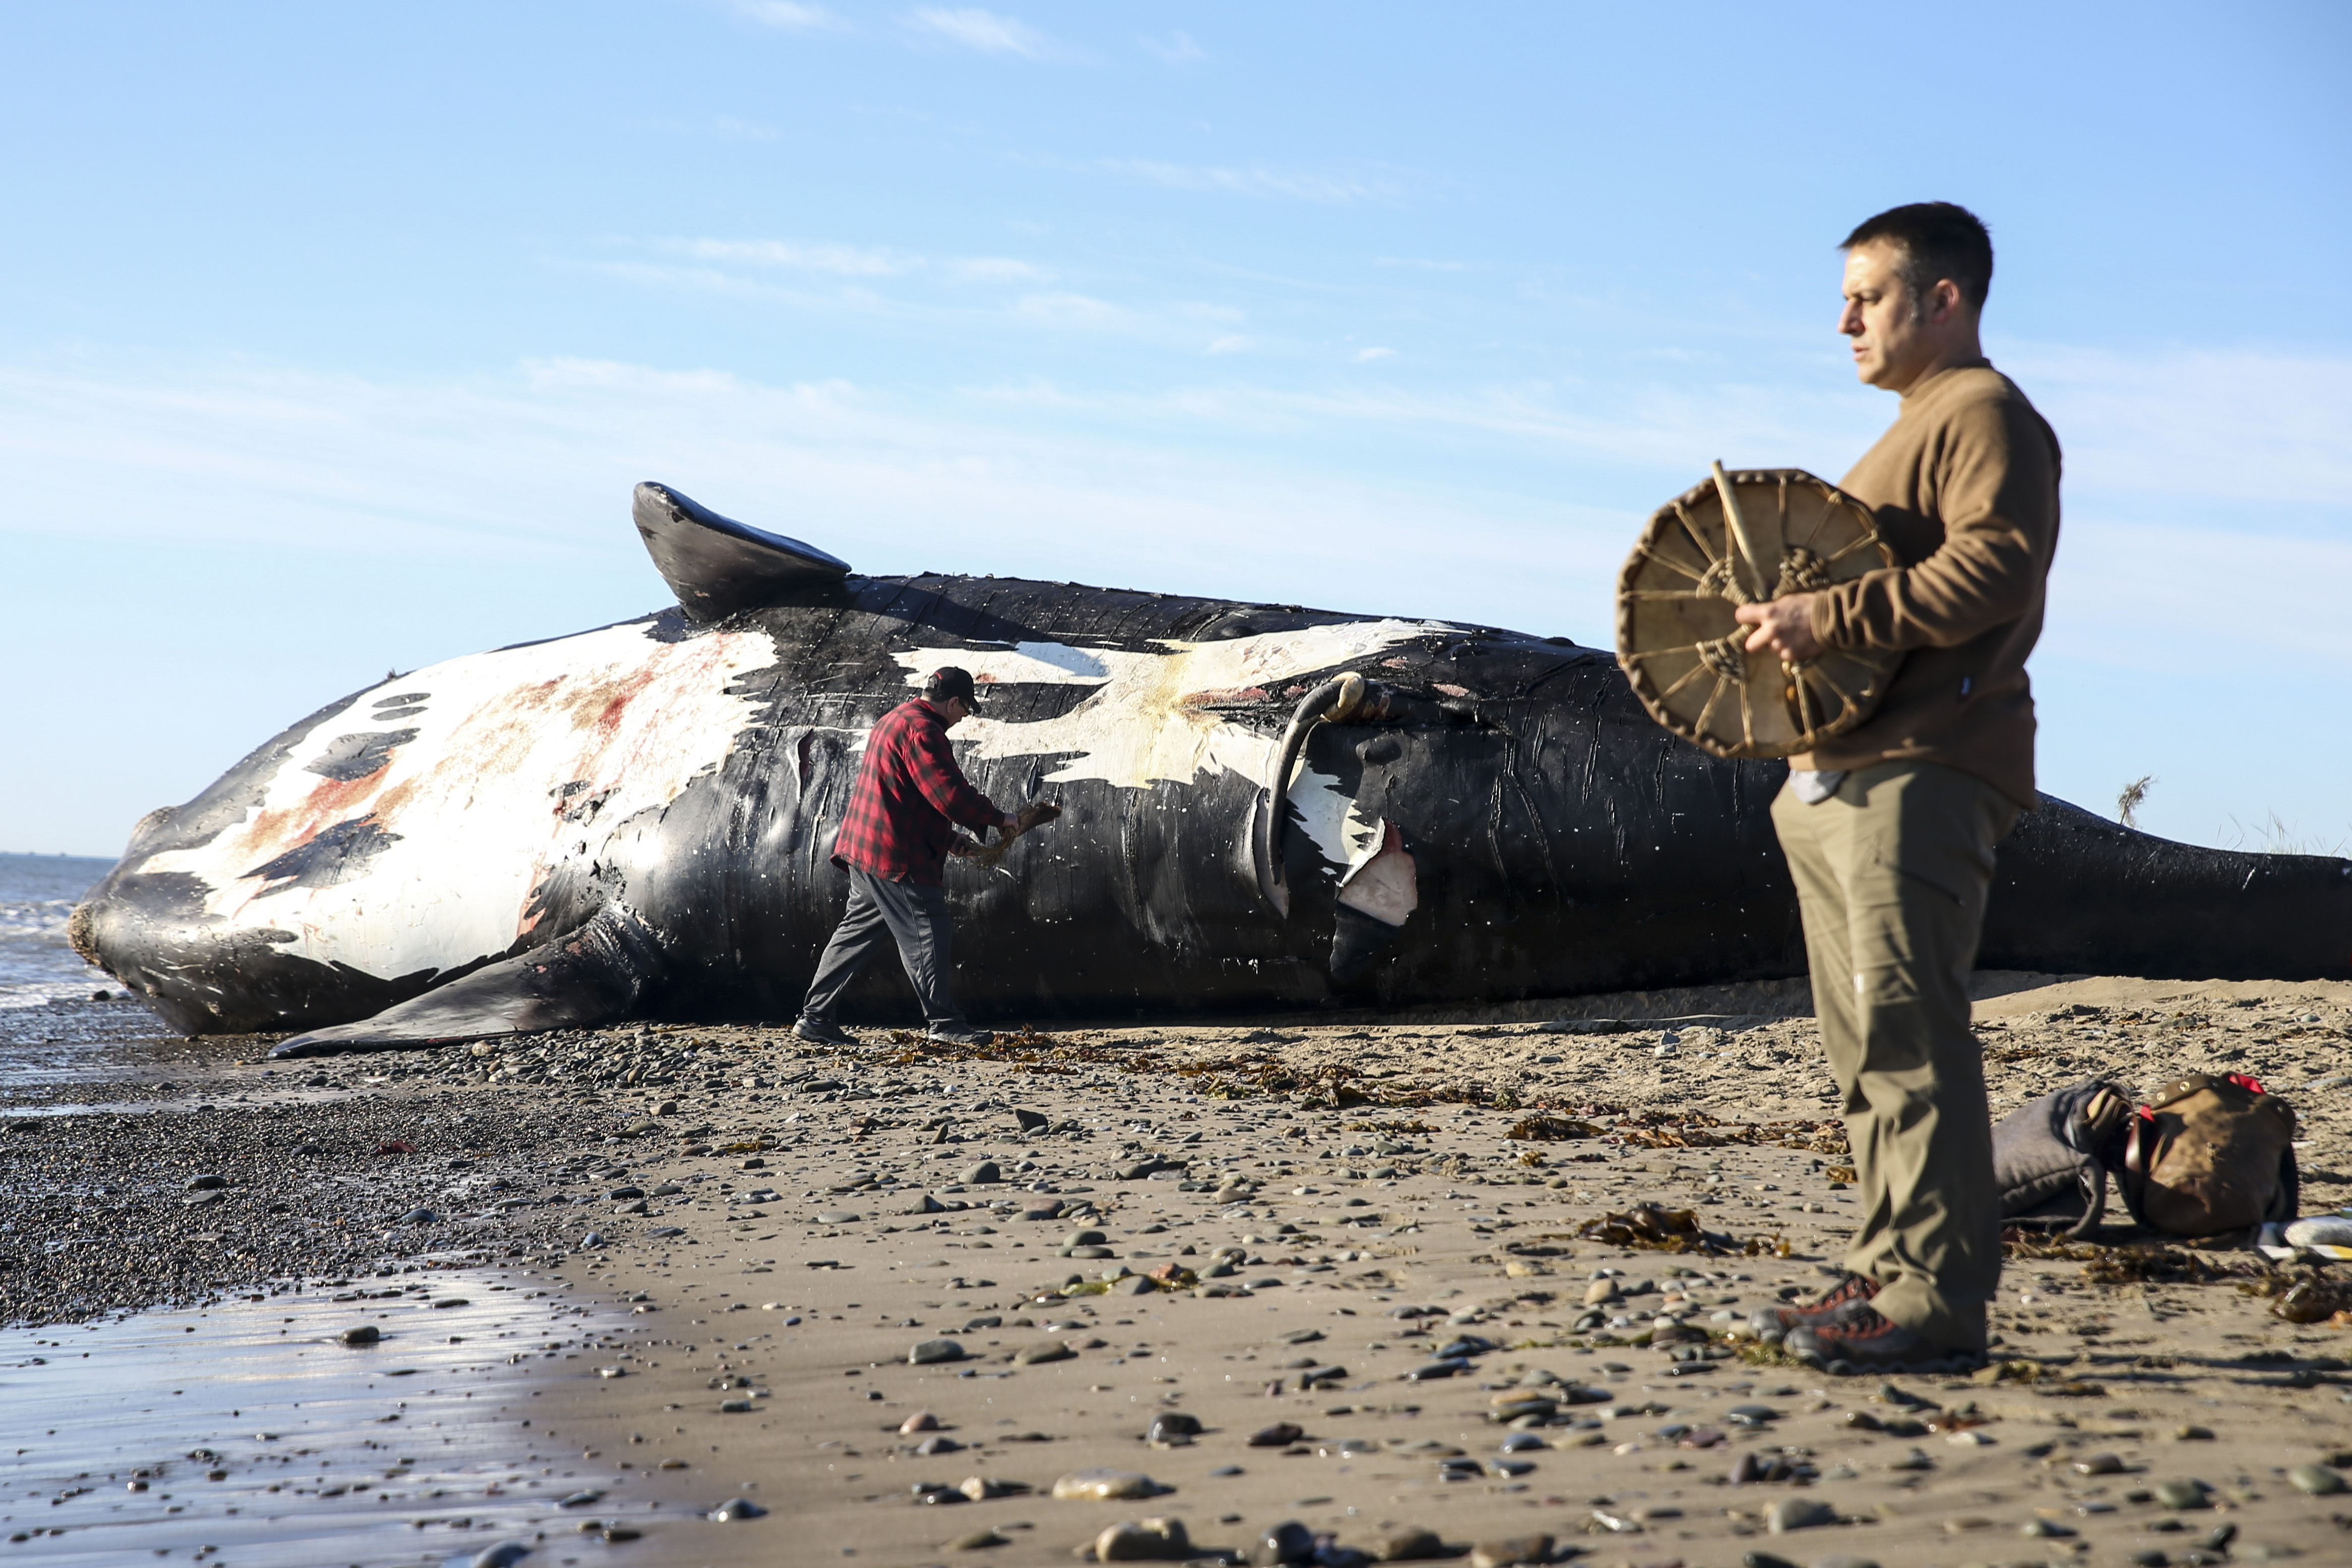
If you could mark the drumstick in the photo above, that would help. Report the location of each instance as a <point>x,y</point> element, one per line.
<point>1763,583</point>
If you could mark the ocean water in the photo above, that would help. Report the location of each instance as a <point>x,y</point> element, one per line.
<point>37,893</point>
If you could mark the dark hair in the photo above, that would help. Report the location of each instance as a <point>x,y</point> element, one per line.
<point>949,682</point>
<point>1939,240</point>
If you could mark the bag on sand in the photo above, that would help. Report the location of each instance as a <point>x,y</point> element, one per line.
<point>2208,1155</point>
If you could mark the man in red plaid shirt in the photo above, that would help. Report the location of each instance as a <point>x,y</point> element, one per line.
<point>894,841</point>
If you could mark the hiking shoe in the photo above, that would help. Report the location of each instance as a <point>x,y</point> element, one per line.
<point>960,1035</point>
<point>1845,1293</point>
<point>822,1032</point>
<point>1860,1341</point>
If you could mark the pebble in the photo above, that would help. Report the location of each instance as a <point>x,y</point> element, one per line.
<point>1411,1544</point>
<point>419,1216</point>
<point>1098,1485</point>
<point>1172,1429</point>
<point>979,1540</point>
<point>985,1173</point>
<point>733,1509</point>
<point>921,1421</point>
<point>1288,1542</point>
<point>932,1352</point>
<point>1798,1513</point>
<point>1503,1553</point>
<point>365,1334</point>
<point>836,1216</point>
<point>1281,1435</point>
<point>2182,1494</point>
<point>1148,1541</point>
<point>2316,1479</point>
<point>1037,1356</point>
<point>1085,1238</point>
<point>206,1184</point>
<point>981,1488</point>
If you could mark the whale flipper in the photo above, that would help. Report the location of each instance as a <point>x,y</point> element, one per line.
<point>595,974</point>
<point>716,566</point>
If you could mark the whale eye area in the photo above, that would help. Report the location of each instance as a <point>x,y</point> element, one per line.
<point>349,757</point>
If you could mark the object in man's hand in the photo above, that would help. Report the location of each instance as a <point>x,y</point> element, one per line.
<point>1036,813</point>
<point>1743,539</point>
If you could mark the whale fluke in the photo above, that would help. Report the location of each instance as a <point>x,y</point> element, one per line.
<point>716,566</point>
<point>594,975</point>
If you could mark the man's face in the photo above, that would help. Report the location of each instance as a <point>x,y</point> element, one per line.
<point>1895,337</point>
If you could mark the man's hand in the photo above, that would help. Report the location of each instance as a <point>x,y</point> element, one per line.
<point>1784,626</point>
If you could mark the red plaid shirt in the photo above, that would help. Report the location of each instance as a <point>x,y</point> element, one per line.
<point>909,795</point>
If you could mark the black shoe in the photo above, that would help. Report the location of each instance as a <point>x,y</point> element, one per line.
<point>1860,1341</point>
<point>960,1035</point>
<point>1853,1287</point>
<point>822,1032</point>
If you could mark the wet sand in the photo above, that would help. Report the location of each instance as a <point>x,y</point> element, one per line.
<point>1331,1203</point>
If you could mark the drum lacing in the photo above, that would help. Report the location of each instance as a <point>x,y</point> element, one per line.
<point>1722,581</point>
<point>1802,571</point>
<point>1727,657</point>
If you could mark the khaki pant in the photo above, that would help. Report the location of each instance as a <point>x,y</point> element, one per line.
<point>1893,873</point>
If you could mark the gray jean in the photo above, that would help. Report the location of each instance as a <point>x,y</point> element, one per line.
<point>913,915</point>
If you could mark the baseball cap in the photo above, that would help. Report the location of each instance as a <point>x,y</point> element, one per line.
<point>949,681</point>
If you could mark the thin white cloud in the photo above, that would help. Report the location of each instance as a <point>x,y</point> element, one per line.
<point>984,31</point>
<point>2249,431</point>
<point>995,269</point>
<point>1286,185</point>
<point>730,129</point>
<point>1229,344</point>
<point>1366,356</point>
<point>1420,264</point>
<point>854,261</point>
<point>837,260</point>
<point>1175,49</point>
<point>787,16</point>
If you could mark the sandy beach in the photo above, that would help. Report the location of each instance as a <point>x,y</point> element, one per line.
<point>881,1306</point>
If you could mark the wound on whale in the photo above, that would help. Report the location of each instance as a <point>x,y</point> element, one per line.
<point>1266,806</point>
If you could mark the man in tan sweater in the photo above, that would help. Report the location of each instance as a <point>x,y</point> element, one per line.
<point>1890,828</point>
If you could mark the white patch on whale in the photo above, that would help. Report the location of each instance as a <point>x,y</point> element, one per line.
<point>1149,718</point>
<point>633,718</point>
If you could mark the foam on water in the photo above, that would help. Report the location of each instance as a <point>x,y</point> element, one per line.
<point>247,1435</point>
<point>37,895</point>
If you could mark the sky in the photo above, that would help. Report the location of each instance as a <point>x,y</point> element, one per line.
<point>336,336</point>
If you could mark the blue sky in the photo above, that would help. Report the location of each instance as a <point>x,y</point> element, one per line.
<point>336,336</point>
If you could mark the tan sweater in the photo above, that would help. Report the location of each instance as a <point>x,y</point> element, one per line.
<point>1965,484</point>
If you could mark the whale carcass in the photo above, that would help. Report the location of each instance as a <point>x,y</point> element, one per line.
<point>1266,806</point>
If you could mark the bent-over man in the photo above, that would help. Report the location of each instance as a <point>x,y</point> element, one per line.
<point>1890,828</point>
<point>894,841</point>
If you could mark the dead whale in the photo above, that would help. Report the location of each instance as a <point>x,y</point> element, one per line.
<point>1266,806</point>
